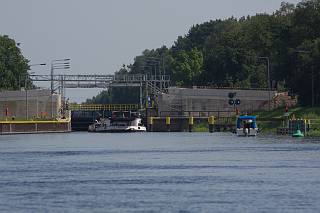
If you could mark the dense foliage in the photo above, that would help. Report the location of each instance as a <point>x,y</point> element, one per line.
<point>234,53</point>
<point>117,95</point>
<point>13,66</point>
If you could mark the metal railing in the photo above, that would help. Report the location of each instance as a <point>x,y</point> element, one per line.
<point>199,114</point>
<point>101,78</point>
<point>98,107</point>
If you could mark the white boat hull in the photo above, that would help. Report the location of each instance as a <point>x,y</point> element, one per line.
<point>123,129</point>
<point>118,126</point>
<point>247,132</point>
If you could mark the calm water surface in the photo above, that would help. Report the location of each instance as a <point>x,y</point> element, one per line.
<point>158,172</point>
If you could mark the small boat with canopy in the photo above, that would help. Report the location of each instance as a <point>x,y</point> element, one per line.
<point>246,126</point>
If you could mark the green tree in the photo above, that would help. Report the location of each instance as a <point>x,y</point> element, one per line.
<point>306,19</point>
<point>117,95</point>
<point>304,77</point>
<point>302,59</point>
<point>151,61</point>
<point>13,66</point>
<point>226,52</point>
<point>187,67</point>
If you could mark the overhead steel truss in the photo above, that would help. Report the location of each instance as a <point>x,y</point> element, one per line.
<point>151,84</point>
<point>126,78</point>
<point>104,81</point>
<point>76,81</point>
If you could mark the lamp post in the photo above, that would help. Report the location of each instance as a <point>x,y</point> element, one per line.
<point>58,64</point>
<point>55,65</point>
<point>26,87</point>
<point>269,86</point>
<point>155,62</point>
<point>312,80</point>
<point>41,64</point>
<point>152,62</point>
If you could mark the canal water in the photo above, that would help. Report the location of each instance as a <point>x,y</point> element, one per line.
<point>158,172</point>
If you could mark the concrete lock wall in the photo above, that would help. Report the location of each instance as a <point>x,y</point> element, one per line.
<point>187,99</point>
<point>29,104</point>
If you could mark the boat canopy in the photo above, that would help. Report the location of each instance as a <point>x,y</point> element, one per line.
<point>251,120</point>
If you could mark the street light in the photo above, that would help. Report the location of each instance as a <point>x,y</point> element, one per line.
<point>26,87</point>
<point>153,61</point>
<point>58,64</point>
<point>42,64</point>
<point>268,69</point>
<point>312,81</point>
<point>55,65</point>
<point>26,90</point>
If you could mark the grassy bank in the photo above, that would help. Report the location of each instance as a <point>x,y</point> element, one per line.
<point>268,121</point>
<point>200,127</point>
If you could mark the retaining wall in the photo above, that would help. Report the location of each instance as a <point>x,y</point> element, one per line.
<point>187,99</point>
<point>29,104</point>
<point>26,127</point>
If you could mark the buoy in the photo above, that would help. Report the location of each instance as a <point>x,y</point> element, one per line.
<point>298,134</point>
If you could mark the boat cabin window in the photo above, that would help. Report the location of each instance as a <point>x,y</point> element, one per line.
<point>248,124</point>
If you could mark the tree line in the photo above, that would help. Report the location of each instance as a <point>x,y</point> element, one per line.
<point>231,53</point>
<point>13,65</point>
<point>235,52</point>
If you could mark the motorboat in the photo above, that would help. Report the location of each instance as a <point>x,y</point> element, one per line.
<point>99,125</point>
<point>246,126</point>
<point>120,121</point>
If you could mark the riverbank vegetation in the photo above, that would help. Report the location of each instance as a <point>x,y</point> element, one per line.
<point>269,121</point>
<point>234,52</point>
<point>200,127</point>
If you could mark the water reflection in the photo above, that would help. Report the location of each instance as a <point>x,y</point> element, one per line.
<point>158,172</point>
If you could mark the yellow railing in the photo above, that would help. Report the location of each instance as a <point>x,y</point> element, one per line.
<point>111,107</point>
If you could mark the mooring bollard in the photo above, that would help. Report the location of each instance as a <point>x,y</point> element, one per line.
<point>305,126</point>
<point>211,123</point>
<point>309,125</point>
<point>190,124</point>
<point>168,122</point>
<point>151,124</point>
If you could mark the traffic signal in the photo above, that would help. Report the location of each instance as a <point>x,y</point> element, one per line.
<point>232,101</point>
<point>231,95</point>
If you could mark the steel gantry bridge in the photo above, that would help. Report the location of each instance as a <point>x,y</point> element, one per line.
<point>150,84</point>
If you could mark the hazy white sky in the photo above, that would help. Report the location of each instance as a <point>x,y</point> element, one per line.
<point>101,35</point>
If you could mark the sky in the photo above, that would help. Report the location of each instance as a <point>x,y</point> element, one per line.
<point>99,36</point>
